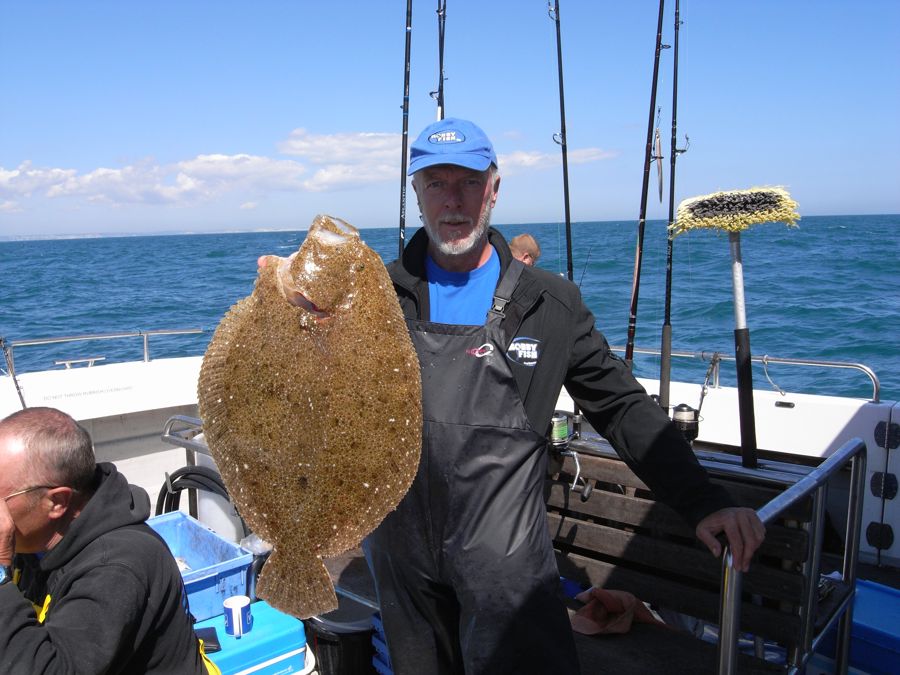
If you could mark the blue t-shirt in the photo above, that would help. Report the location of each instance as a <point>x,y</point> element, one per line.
<point>462,298</point>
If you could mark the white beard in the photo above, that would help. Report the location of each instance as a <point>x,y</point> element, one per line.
<point>459,246</point>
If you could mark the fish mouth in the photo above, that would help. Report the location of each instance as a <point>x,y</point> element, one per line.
<point>300,300</point>
<point>293,294</point>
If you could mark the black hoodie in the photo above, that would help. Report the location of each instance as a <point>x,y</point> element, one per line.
<point>113,596</point>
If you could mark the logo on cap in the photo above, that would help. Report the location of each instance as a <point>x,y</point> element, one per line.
<point>449,136</point>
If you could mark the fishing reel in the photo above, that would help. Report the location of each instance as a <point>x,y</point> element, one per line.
<point>564,427</point>
<point>685,418</point>
<point>687,421</point>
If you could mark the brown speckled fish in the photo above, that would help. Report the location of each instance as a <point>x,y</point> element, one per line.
<point>311,404</point>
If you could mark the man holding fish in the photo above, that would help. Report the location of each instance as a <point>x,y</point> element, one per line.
<point>464,567</point>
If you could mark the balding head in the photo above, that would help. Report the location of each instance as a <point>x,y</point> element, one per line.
<point>47,446</point>
<point>524,247</point>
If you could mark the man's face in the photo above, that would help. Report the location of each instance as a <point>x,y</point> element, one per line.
<point>26,510</point>
<point>456,204</point>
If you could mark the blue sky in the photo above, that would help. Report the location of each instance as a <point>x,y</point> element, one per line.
<point>121,117</point>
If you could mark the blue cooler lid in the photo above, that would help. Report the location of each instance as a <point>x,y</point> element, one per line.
<point>275,638</point>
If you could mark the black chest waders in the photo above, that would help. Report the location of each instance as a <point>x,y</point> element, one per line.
<point>466,576</point>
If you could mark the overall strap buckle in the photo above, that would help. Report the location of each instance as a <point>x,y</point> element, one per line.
<point>505,290</point>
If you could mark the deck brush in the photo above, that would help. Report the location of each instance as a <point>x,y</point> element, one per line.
<point>736,210</point>
<point>733,212</point>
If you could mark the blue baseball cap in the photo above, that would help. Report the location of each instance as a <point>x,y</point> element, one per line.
<point>451,141</point>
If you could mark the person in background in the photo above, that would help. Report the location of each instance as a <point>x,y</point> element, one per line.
<point>524,247</point>
<point>85,585</point>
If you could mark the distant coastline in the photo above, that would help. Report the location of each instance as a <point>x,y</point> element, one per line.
<point>120,235</point>
<point>263,230</point>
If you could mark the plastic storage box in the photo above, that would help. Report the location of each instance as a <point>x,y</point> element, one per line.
<point>275,645</point>
<point>875,636</point>
<point>875,640</point>
<point>213,568</point>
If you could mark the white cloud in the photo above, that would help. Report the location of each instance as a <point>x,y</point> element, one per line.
<point>362,148</point>
<point>25,180</point>
<point>318,163</point>
<point>530,160</point>
<point>342,176</point>
<point>141,184</point>
<point>521,159</point>
<point>201,178</point>
<point>247,171</point>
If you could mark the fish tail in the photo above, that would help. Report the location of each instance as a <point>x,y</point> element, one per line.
<point>297,585</point>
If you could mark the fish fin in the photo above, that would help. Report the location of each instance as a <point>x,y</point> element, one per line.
<point>297,585</point>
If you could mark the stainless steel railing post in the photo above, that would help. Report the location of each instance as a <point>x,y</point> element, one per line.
<point>729,615</point>
<point>853,451</point>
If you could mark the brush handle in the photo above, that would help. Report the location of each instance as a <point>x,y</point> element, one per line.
<point>737,280</point>
<point>745,397</point>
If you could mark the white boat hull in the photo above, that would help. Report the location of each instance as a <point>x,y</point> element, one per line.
<point>125,407</point>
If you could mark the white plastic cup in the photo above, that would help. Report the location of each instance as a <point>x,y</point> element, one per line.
<point>238,618</point>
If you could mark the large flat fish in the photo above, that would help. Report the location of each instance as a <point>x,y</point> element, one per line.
<point>310,398</point>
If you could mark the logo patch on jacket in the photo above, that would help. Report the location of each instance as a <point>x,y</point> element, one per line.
<point>524,351</point>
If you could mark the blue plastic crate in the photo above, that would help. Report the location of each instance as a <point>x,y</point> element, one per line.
<point>875,641</point>
<point>275,645</point>
<point>875,636</point>
<point>214,568</point>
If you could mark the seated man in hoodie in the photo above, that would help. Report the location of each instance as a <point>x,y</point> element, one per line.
<point>85,585</point>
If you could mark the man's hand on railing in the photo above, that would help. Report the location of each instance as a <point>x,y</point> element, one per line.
<point>742,528</point>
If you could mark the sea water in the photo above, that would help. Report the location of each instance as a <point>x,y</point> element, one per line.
<point>825,290</point>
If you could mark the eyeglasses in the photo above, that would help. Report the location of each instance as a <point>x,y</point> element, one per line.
<point>26,490</point>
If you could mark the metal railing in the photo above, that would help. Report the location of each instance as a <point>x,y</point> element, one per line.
<point>182,430</point>
<point>815,484</point>
<point>712,357</point>
<point>145,335</point>
<point>715,359</point>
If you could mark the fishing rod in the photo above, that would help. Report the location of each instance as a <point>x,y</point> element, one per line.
<point>665,364</point>
<point>560,138</point>
<point>405,134</point>
<point>438,94</point>
<point>635,286</point>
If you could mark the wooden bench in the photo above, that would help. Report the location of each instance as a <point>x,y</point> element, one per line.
<point>619,537</point>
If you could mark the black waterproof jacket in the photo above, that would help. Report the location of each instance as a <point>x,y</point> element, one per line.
<point>548,310</point>
<point>114,598</point>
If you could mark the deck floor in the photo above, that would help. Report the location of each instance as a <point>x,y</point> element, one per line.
<point>624,654</point>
